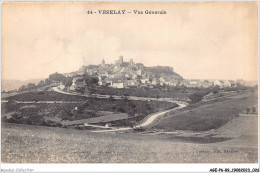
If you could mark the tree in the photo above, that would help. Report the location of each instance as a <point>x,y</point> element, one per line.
<point>22,88</point>
<point>57,77</point>
<point>91,80</point>
<point>196,97</point>
<point>68,81</point>
<point>47,81</point>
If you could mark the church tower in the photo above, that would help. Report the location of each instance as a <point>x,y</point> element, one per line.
<point>103,63</point>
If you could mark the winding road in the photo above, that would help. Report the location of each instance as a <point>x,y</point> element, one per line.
<point>151,118</point>
<point>154,116</point>
<point>148,121</point>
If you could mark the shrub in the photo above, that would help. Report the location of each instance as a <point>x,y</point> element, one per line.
<point>197,97</point>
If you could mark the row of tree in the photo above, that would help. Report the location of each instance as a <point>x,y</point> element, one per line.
<point>67,81</point>
<point>60,78</point>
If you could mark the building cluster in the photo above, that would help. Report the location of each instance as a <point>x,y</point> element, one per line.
<point>211,83</point>
<point>123,74</point>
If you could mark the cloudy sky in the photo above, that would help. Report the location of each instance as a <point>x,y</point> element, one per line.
<point>200,40</point>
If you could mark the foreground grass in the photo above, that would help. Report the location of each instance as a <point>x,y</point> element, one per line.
<point>32,144</point>
<point>206,116</point>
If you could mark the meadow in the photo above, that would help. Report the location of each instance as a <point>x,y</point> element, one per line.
<point>204,116</point>
<point>34,144</point>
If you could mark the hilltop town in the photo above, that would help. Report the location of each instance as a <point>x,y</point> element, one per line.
<point>123,74</point>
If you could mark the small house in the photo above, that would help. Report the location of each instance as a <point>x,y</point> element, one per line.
<point>61,86</point>
<point>155,81</point>
<point>145,80</point>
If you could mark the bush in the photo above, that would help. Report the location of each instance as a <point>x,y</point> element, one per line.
<point>197,97</point>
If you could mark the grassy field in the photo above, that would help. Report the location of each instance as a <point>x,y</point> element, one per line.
<point>107,117</point>
<point>34,144</point>
<point>208,115</point>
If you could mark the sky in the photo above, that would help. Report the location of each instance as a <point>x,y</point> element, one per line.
<point>200,40</point>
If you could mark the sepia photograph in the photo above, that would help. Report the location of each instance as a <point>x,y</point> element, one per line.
<point>129,82</point>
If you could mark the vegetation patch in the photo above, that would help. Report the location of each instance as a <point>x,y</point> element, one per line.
<point>86,108</point>
<point>207,116</point>
<point>45,96</point>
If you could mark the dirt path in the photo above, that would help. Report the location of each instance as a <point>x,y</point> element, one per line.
<point>153,117</point>
<point>148,121</point>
